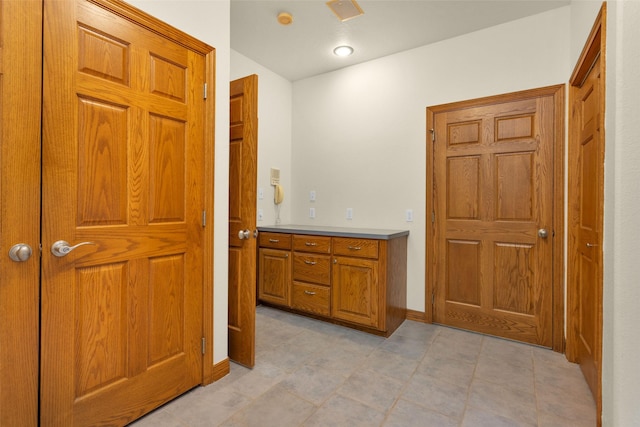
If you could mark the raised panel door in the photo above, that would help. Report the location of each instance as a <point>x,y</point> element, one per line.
<point>492,193</point>
<point>123,170</point>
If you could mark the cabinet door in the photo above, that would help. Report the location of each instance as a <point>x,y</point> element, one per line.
<point>355,291</point>
<point>274,277</point>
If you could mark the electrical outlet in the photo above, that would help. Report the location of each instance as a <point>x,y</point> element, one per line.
<point>409,215</point>
<point>312,195</point>
<point>312,212</point>
<point>260,214</point>
<point>349,213</point>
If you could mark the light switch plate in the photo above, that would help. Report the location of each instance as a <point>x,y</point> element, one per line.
<point>409,215</point>
<point>312,212</point>
<point>349,213</point>
<point>312,195</point>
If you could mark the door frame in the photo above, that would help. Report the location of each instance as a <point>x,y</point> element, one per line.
<point>557,91</point>
<point>594,47</point>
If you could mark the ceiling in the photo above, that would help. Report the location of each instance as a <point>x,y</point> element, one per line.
<point>305,48</point>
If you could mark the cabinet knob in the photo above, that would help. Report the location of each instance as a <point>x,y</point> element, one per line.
<point>335,260</point>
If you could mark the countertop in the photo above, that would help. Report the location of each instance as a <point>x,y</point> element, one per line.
<point>322,230</point>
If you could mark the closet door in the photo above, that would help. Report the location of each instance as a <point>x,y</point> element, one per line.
<point>123,200</point>
<point>20,100</point>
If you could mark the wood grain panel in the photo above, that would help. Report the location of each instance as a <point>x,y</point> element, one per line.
<point>236,124</point>
<point>101,327</point>
<point>275,240</point>
<point>312,268</point>
<point>513,265</point>
<point>310,298</point>
<point>102,163</point>
<point>463,133</point>
<point>235,265</point>
<point>364,248</point>
<point>508,128</point>
<point>514,186</point>
<point>103,55</point>
<point>463,272</point>
<point>355,291</point>
<point>589,156</point>
<point>168,79</point>
<point>275,276</point>
<point>167,307</point>
<point>167,169</point>
<point>316,244</point>
<point>235,178</point>
<point>463,178</point>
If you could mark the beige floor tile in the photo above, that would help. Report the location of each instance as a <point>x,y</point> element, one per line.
<point>408,414</point>
<point>343,411</point>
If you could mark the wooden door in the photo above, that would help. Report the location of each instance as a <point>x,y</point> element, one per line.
<point>20,100</point>
<point>493,214</point>
<point>243,158</point>
<point>586,205</point>
<point>123,165</point>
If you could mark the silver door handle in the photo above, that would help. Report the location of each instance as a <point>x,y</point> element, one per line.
<point>61,247</point>
<point>244,234</point>
<point>20,252</point>
<point>543,233</point>
<point>591,245</point>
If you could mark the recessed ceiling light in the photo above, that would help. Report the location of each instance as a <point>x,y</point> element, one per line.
<point>343,50</point>
<point>285,18</point>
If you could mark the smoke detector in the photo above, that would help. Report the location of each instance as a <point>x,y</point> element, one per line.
<point>285,18</point>
<point>345,9</point>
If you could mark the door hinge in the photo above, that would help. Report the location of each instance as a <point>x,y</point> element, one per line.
<point>433,298</point>
<point>433,216</point>
<point>204,218</point>
<point>433,135</point>
<point>204,345</point>
<point>205,91</point>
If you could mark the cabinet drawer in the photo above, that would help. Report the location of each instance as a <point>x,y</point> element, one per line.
<point>363,248</point>
<point>275,240</point>
<point>311,298</point>
<point>312,268</point>
<point>316,244</point>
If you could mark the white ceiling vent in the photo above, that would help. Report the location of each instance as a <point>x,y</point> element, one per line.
<point>345,9</point>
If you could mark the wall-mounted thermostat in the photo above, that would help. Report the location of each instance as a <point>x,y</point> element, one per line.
<point>275,176</point>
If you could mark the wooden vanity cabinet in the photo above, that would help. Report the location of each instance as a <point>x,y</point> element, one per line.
<point>356,282</point>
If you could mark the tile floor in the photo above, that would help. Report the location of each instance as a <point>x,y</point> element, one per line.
<point>312,373</point>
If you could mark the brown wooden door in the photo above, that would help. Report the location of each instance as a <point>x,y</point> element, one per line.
<point>123,165</point>
<point>586,204</point>
<point>492,192</point>
<point>20,100</point>
<point>243,152</point>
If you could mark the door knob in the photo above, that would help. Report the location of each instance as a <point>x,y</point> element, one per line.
<point>20,252</point>
<point>61,248</point>
<point>244,234</point>
<point>543,233</point>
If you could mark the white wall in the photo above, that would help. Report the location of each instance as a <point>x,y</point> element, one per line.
<point>621,340</point>
<point>359,134</point>
<point>274,134</point>
<point>209,21</point>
